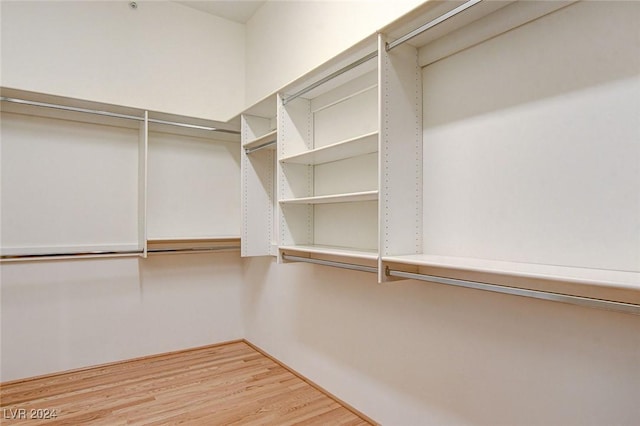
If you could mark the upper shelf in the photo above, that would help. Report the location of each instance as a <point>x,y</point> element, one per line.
<point>439,19</point>
<point>335,72</point>
<point>360,145</point>
<point>272,136</point>
<point>339,198</point>
<point>71,109</point>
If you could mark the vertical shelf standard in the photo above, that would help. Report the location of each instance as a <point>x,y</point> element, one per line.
<point>258,163</point>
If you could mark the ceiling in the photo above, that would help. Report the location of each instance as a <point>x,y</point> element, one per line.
<point>234,10</point>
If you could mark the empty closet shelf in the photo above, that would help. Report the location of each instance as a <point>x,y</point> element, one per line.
<point>601,277</point>
<point>192,245</point>
<point>553,282</point>
<point>353,147</point>
<point>354,253</point>
<point>338,198</point>
<point>262,140</point>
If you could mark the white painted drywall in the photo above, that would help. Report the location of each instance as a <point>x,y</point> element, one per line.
<point>67,186</point>
<point>532,143</point>
<point>414,353</point>
<point>162,56</point>
<point>64,315</point>
<point>285,39</point>
<point>193,187</point>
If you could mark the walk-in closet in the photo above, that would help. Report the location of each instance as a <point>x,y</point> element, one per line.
<point>284,212</point>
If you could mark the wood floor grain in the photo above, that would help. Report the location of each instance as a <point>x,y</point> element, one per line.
<point>232,384</point>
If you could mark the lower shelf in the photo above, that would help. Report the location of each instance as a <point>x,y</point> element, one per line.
<point>192,245</point>
<point>620,286</point>
<point>332,251</point>
<point>560,273</point>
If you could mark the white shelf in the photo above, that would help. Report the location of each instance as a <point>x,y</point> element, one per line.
<point>353,147</point>
<point>600,277</point>
<point>339,198</point>
<point>264,139</point>
<point>176,245</point>
<point>333,251</point>
<point>258,177</point>
<point>173,239</point>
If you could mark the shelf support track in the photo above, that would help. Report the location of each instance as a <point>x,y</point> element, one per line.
<point>440,19</point>
<point>590,302</point>
<point>342,265</point>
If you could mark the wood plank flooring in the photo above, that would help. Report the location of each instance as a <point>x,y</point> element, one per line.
<point>231,384</point>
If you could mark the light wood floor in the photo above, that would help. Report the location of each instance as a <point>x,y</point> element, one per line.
<point>217,385</point>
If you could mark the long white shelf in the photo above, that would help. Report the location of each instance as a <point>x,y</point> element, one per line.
<point>333,251</point>
<point>600,277</point>
<point>174,239</point>
<point>177,245</point>
<point>264,139</point>
<point>338,198</point>
<point>353,147</point>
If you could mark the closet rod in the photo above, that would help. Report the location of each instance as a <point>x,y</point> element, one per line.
<point>115,253</point>
<point>113,114</point>
<point>192,126</point>
<point>71,255</point>
<point>195,249</point>
<point>330,77</point>
<point>73,109</point>
<point>259,147</point>
<point>331,263</point>
<point>431,24</point>
<point>537,294</point>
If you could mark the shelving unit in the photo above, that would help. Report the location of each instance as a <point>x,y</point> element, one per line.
<point>80,170</point>
<point>258,175</point>
<point>509,174</point>
<point>328,126</point>
<point>70,173</point>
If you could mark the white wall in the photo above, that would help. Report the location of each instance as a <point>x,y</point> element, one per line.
<point>535,155</point>
<point>414,353</point>
<point>193,187</point>
<point>64,315</point>
<point>162,56</point>
<point>285,39</point>
<point>67,186</point>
